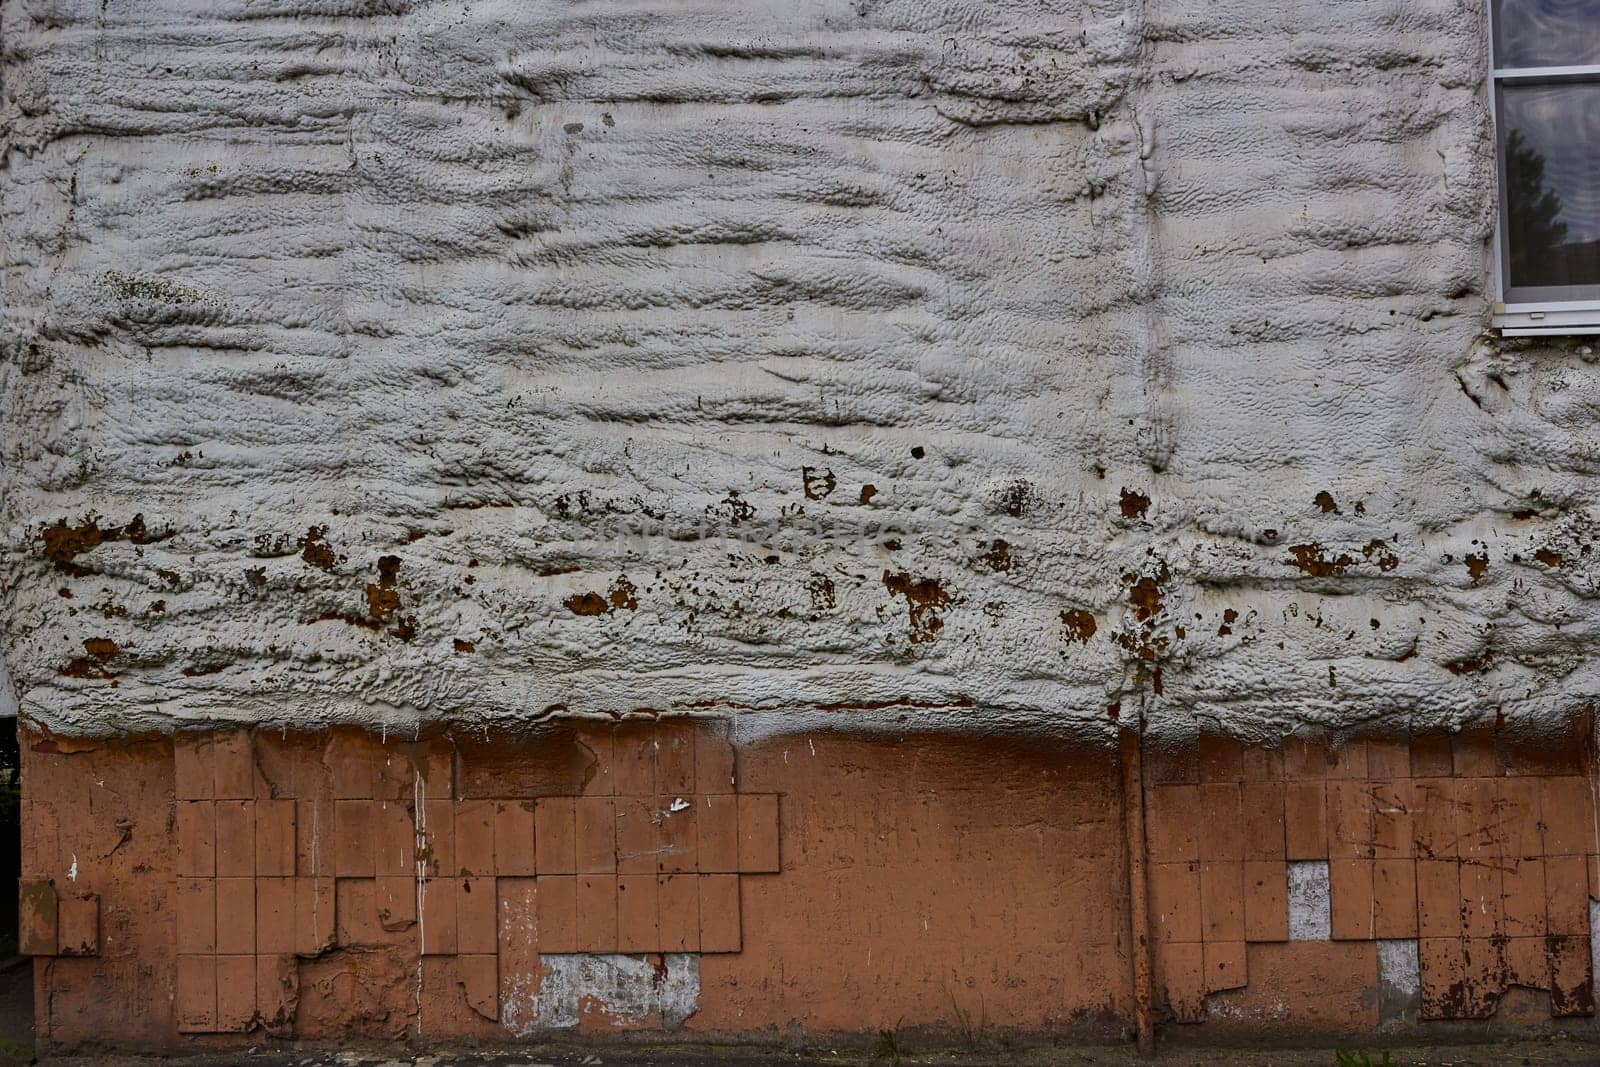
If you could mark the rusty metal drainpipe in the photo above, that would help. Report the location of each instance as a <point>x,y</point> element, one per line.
<point>1138,887</point>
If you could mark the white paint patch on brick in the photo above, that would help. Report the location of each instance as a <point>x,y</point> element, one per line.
<point>1310,916</point>
<point>629,989</point>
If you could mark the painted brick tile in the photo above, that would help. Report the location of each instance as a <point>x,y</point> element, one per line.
<point>637,929</point>
<point>758,833</point>
<point>1180,975</point>
<point>351,759</point>
<point>1304,759</point>
<point>1350,819</point>
<point>1571,976</point>
<point>1482,891</point>
<point>474,824</point>
<point>437,837</point>
<point>234,765</point>
<point>1430,756</point>
<point>1523,907</point>
<point>601,746</point>
<point>1348,761</point>
<point>236,993</point>
<point>1388,759</point>
<point>41,841</point>
<point>1262,764</point>
<point>1517,810</point>
<point>193,767</point>
<point>394,845</point>
<point>678,912</point>
<point>196,828</point>
<point>1266,901</point>
<point>274,833</point>
<point>1526,962</point>
<point>1566,809</point>
<point>1305,827</point>
<point>313,915</point>
<point>480,983</point>
<point>476,915</point>
<point>1171,761</point>
<point>396,901</point>
<point>633,771</point>
<point>1438,898</point>
<point>1566,885</point>
<point>595,835</point>
<point>636,836</point>
<point>438,918</point>
<point>514,853</point>
<point>713,760</point>
<point>597,913</point>
<point>314,838</point>
<point>1473,755</point>
<point>1225,966</point>
<point>1394,898</point>
<point>236,838</point>
<point>1433,817</point>
<point>277,990</point>
<point>275,926</point>
<point>717,829</point>
<point>355,912</point>
<point>194,911</point>
<point>1262,804</point>
<point>558,913</point>
<point>355,844</point>
<point>1222,901</point>
<point>1221,830</point>
<point>1350,893</point>
<point>195,994</point>
<point>675,772</point>
<point>1221,759</point>
<point>677,840</point>
<point>1175,901</point>
<point>1448,987</point>
<point>38,918</point>
<point>1392,833</point>
<point>719,913</point>
<point>518,932</point>
<point>236,916</point>
<point>1170,825</point>
<point>1479,835</point>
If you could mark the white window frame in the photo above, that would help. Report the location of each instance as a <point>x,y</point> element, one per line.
<point>1531,317</point>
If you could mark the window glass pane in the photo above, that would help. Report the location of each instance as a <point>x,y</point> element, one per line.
<point>1550,135</point>
<point>1546,33</point>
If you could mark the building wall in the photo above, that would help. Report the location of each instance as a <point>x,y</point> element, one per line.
<point>939,388</point>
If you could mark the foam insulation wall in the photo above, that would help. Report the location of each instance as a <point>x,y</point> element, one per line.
<point>978,362</point>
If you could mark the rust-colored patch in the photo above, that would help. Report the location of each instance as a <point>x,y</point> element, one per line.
<point>101,650</point>
<point>817,482</point>
<point>1229,617</point>
<point>1549,558</point>
<point>868,491</point>
<point>1379,552</point>
<point>315,550</point>
<point>587,604</point>
<point>623,595</point>
<point>1325,501</point>
<point>1144,595</point>
<point>998,557</point>
<point>925,598</point>
<point>1079,625</point>
<point>1313,559</point>
<point>199,671</point>
<point>1134,503</point>
<point>820,588</point>
<point>63,544</point>
<point>464,646</point>
<point>1016,498</point>
<point>1476,564</point>
<point>172,578</point>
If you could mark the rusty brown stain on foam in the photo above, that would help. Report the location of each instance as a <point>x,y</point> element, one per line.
<point>868,491</point>
<point>1078,624</point>
<point>1314,560</point>
<point>1325,501</point>
<point>623,595</point>
<point>1549,557</point>
<point>1379,552</point>
<point>1476,564</point>
<point>101,651</point>
<point>383,599</point>
<point>998,558</point>
<point>63,544</point>
<point>1134,504</point>
<point>1229,617</point>
<point>315,550</point>
<point>925,598</point>
<point>817,482</point>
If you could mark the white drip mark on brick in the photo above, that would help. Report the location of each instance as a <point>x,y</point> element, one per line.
<point>419,796</point>
<point>1310,917</point>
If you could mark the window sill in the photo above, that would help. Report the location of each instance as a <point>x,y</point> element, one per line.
<point>1555,320</point>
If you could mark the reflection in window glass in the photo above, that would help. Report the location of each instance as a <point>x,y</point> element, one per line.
<point>1546,33</point>
<point>1551,142</point>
